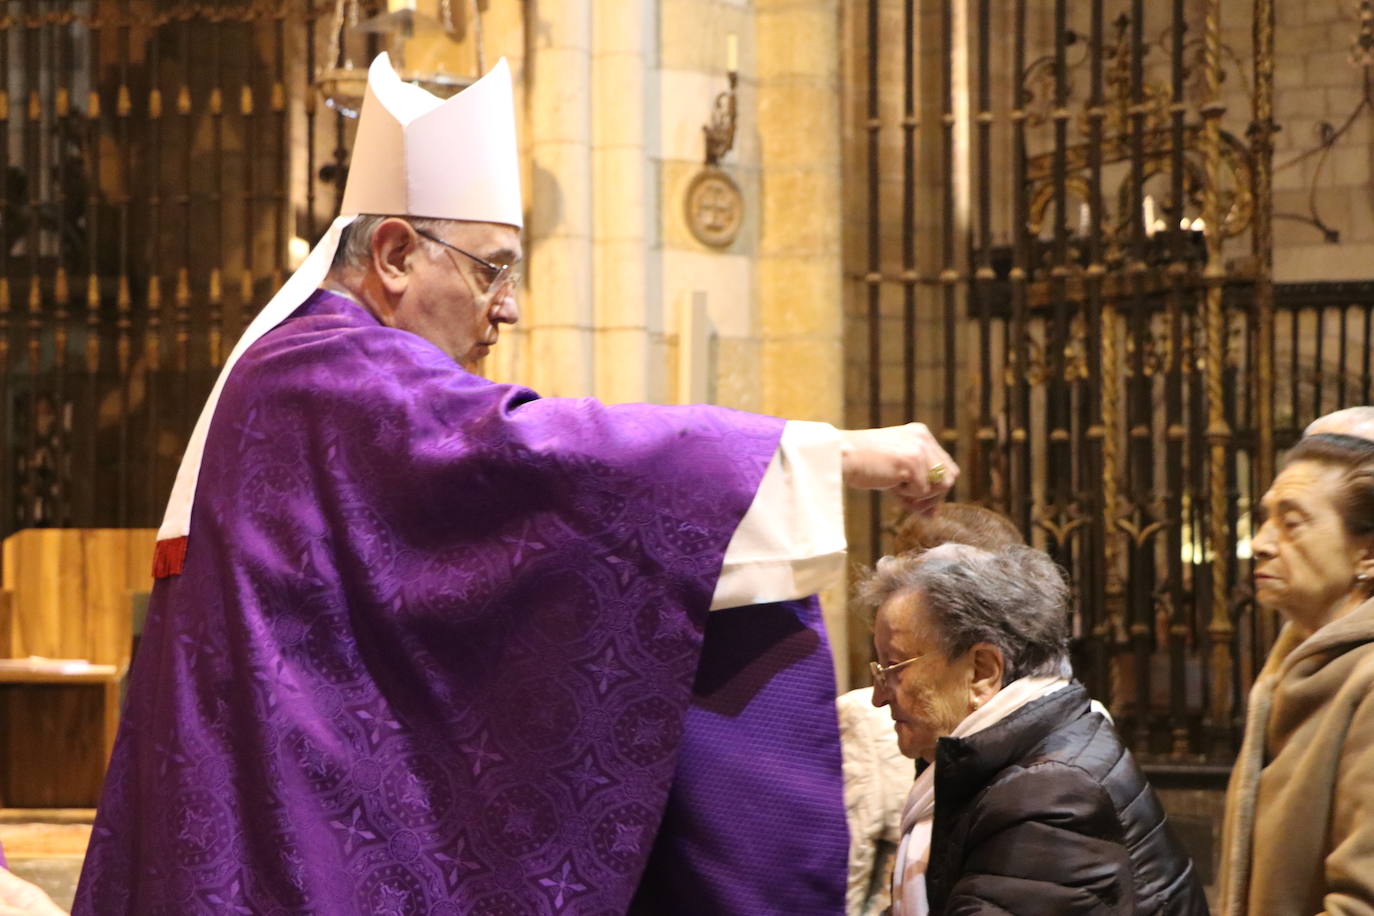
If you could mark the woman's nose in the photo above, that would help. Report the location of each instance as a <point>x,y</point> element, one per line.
<point>1262,544</point>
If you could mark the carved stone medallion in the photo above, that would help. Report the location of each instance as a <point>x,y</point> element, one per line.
<point>715,208</point>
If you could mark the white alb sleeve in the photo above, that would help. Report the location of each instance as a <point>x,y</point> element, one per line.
<point>791,542</point>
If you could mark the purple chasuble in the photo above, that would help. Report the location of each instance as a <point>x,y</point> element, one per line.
<point>755,819</point>
<point>433,645</point>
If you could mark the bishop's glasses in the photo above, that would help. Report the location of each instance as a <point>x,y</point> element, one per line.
<point>503,276</point>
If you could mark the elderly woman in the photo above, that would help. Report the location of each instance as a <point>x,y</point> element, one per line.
<point>1031,804</point>
<point>876,775</point>
<point>1299,833</point>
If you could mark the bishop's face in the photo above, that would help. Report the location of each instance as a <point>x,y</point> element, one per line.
<point>449,300</point>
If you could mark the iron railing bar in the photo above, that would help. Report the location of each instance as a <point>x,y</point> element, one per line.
<point>1262,237</point>
<point>153,342</point>
<point>1058,451</point>
<point>185,107</point>
<point>214,326</point>
<point>1220,629</point>
<point>59,57</point>
<point>280,173</point>
<point>1365,354</point>
<point>247,108</point>
<point>1179,731</point>
<point>949,275</point>
<point>1295,339</point>
<point>873,279</point>
<point>1097,623</point>
<point>8,472</point>
<point>95,113</point>
<point>1019,397</point>
<point>309,104</point>
<point>985,438</point>
<point>1319,363</point>
<point>33,161</point>
<point>1343,351</point>
<point>910,276</point>
<point>123,300</point>
<point>1139,407</point>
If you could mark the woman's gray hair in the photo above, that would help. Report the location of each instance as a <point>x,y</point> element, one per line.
<point>1014,598</point>
<point>355,242</point>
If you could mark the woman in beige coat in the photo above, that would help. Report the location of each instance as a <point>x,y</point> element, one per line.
<point>1299,833</point>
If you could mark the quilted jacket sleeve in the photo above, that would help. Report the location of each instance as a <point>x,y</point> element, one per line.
<point>1046,842</point>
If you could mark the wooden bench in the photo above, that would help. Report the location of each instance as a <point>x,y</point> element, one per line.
<point>66,593</point>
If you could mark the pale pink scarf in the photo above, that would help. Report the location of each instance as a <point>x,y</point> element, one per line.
<point>913,855</point>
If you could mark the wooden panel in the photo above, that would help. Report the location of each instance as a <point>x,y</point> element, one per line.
<point>117,562</point>
<point>71,590</point>
<point>70,597</point>
<point>42,571</point>
<point>52,745</point>
<point>6,624</point>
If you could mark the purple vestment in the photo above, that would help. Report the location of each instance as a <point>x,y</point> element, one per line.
<point>433,644</point>
<point>754,822</point>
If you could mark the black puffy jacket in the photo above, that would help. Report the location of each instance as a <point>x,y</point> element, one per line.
<point>1047,813</point>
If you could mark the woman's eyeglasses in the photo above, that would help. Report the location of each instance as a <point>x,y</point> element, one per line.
<point>880,672</point>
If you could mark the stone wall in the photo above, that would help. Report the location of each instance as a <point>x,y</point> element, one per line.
<point>1317,86</point>
<point>693,35</point>
<point>616,97</point>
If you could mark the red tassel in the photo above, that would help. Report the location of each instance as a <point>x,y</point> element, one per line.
<point>169,557</point>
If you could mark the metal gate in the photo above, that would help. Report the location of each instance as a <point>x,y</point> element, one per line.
<point>1089,317</point>
<point>152,152</point>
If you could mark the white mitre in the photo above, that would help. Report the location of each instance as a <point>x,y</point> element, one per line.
<point>414,154</point>
<point>419,155</point>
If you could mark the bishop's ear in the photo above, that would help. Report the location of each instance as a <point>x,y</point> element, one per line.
<point>393,243</point>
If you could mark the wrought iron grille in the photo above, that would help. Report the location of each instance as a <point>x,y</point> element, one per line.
<point>1074,246</point>
<point>156,156</point>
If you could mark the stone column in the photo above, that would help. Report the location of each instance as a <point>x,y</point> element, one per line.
<point>799,279</point>
<point>799,255</point>
<point>558,306</point>
<point>627,311</point>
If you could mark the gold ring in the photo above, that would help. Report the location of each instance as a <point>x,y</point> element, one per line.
<point>936,475</point>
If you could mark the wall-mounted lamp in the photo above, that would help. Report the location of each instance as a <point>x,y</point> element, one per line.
<point>720,130</point>
<point>714,204</point>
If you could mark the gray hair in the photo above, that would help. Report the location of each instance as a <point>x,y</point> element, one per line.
<point>355,243</point>
<point>1014,598</point>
